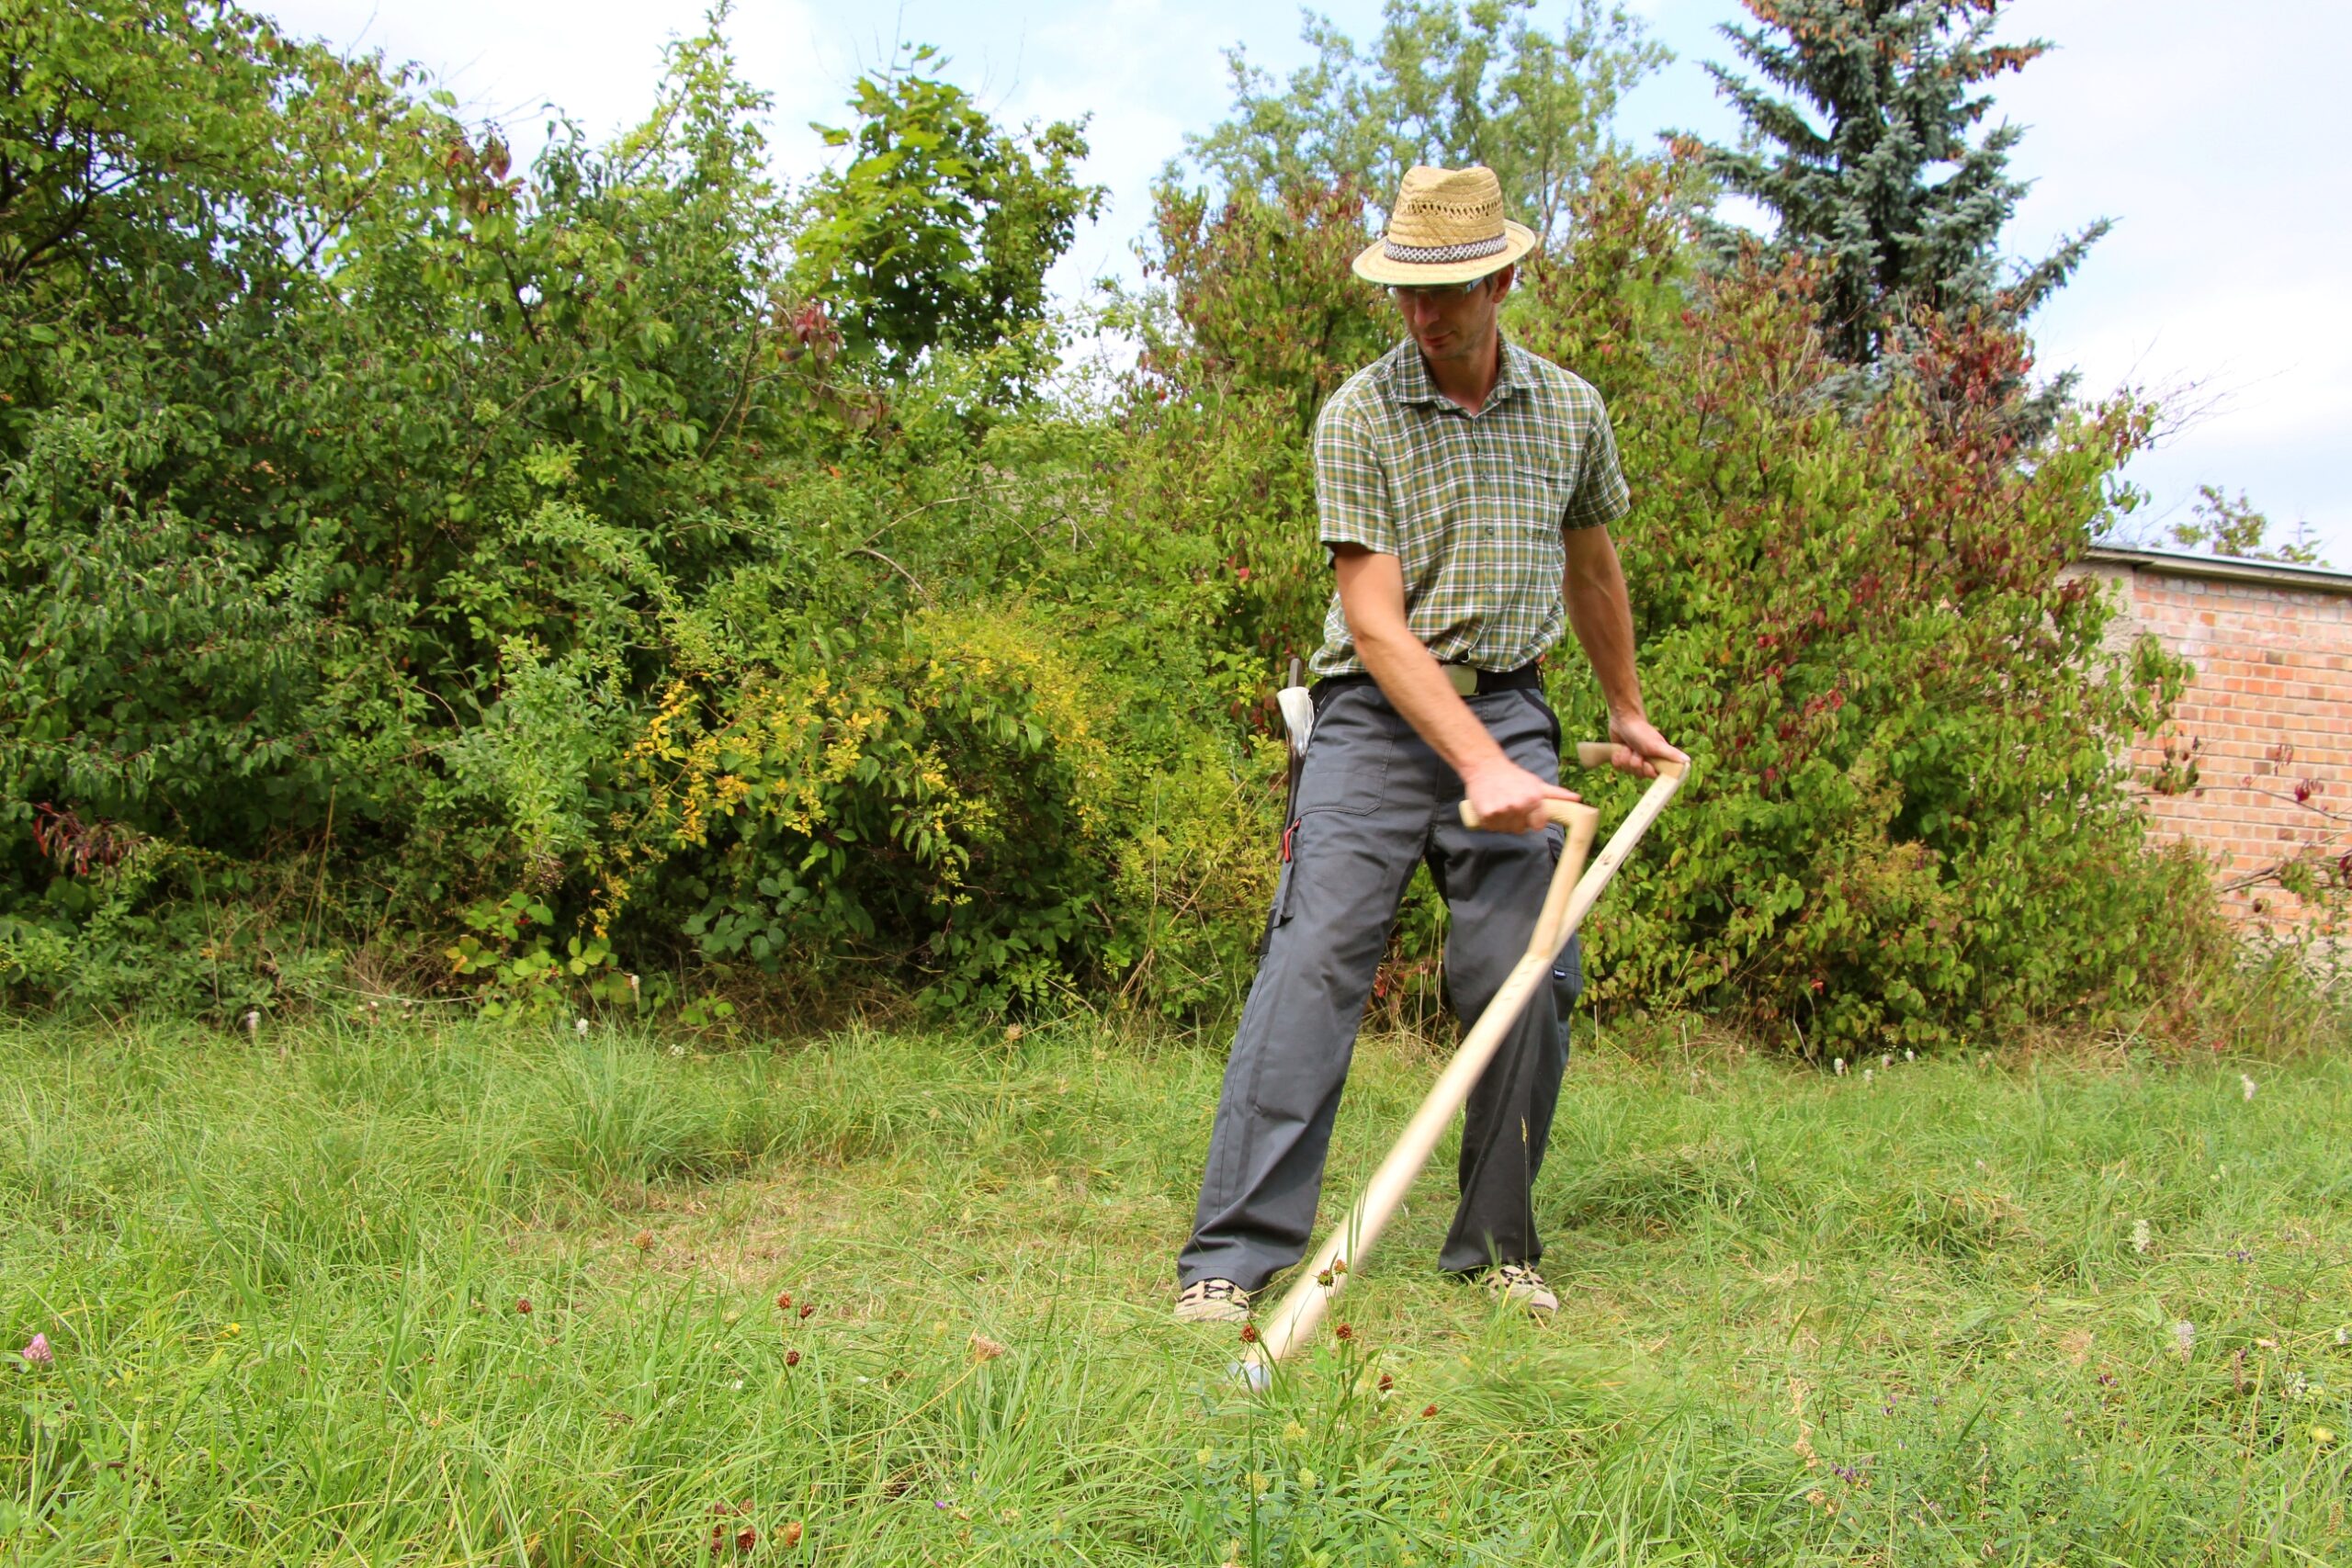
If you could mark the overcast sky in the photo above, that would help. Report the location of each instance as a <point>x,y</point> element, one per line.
<point>2216,137</point>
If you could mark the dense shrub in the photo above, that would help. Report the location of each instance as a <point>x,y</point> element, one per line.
<point>1914,819</point>
<point>414,572</point>
<point>364,496</point>
<point>1910,819</point>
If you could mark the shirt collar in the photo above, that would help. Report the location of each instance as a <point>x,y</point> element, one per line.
<point>1409,380</point>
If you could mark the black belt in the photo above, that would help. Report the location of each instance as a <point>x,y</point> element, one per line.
<point>1527,677</point>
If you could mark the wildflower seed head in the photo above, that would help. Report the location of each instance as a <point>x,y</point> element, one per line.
<point>783,1300</point>
<point>1386,1383</point>
<point>790,1535</point>
<point>2142,1237</point>
<point>1249,1333</point>
<point>792,1357</point>
<point>2184,1338</point>
<point>1345,1332</point>
<point>1429,1410</point>
<point>523,1305</point>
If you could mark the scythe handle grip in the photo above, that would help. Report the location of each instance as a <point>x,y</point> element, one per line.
<point>1602,753</point>
<point>1561,811</point>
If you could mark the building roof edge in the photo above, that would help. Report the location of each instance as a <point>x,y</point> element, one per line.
<point>2224,569</point>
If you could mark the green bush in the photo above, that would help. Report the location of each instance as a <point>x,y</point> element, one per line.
<point>1910,819</point>
<point>1866,624</point>
<point>616,583</point>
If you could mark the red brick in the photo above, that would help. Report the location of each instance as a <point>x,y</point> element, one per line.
<point>2274,666</point>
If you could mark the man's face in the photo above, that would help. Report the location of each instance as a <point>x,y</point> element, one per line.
<point>1454,322</point>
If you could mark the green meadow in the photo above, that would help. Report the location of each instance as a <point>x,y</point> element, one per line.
<point>441,1294</point>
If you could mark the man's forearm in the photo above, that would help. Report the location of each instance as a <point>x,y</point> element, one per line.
<point>1501,795</point>
<point>1601,613</point>
<point>1414,682</point>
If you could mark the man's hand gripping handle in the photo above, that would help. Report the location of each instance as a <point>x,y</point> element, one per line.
<point>1590,755</point>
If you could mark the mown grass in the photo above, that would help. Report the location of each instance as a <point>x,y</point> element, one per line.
<point>1809,1318</point>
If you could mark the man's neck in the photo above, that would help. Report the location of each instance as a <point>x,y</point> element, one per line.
<point>1468,382</point>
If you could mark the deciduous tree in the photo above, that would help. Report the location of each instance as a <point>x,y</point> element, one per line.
<point>1445,83</point>
<point>940,231</point>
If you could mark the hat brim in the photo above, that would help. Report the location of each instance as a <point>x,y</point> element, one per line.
<point>1374,265</point>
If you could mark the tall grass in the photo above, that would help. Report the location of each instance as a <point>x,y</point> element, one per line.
<point>1931,1317</point>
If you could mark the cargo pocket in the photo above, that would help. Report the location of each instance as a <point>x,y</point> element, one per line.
<point>1279,911</point>
<point>1347,761</point>
<point>1568,975</point>
<point>1568,985</point>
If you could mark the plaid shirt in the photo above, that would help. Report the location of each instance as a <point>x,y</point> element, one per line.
<point>1471,506</point>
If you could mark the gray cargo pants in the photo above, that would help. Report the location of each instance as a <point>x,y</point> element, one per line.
<point>1373,801</point>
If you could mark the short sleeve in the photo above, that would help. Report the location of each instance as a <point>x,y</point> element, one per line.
<point>1601,496</point>
<point>1350,487</point>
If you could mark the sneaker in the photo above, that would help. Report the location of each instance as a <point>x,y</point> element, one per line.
<point>1213,1301</point>
<point>1520,1285</point>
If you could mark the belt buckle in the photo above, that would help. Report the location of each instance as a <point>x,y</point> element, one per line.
<point>1464,678</point>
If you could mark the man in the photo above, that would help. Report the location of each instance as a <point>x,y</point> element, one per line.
<point>1464,488</point>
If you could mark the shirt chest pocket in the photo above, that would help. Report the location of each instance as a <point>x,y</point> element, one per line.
<point>1541,484</point>
<point>1532,498</point>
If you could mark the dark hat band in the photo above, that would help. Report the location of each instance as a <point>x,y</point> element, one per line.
<point>1439,255</point>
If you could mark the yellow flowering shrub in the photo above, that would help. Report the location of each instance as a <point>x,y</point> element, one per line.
<point>960,804</point>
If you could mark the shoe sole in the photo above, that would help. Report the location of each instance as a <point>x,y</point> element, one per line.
<point>1538,1299</point>
<point>1217,1313</point>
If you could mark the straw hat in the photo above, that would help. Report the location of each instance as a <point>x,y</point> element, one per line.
<point>1447,227</point>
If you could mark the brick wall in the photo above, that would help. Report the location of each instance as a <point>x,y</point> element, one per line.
<point>2269,714</point>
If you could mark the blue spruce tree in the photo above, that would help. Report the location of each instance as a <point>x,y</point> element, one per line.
<point>1868,143</point>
